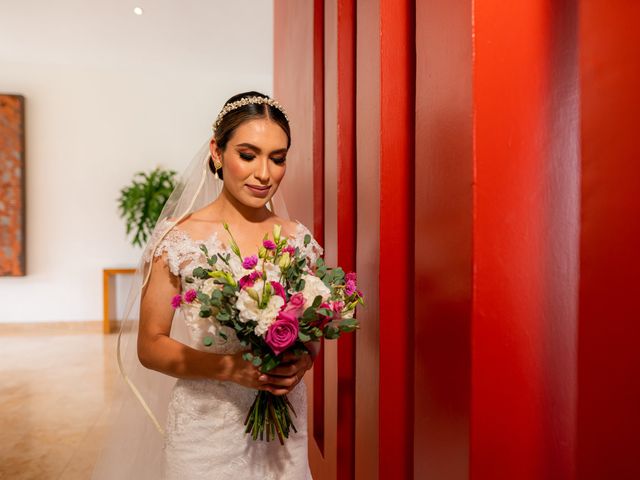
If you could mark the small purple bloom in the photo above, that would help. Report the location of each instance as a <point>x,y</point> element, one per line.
<point>190,295</point>
<point>176,301</point>
<point>350,276</point>
<point>269,245</point>
<point>350,288</point>
<point>250,262</point>
<point>250,279</point>
<point>289,249</point>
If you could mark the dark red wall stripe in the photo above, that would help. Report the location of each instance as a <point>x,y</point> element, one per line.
<point>346,228</point>
<point>397,127</point>
<point>318,198</point>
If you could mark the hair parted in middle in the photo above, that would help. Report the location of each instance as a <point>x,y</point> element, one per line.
<point>236,117</point>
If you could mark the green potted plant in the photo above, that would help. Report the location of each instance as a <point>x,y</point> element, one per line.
<point>141,202</point>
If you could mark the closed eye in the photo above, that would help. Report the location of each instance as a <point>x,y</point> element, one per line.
<point>277,160</point>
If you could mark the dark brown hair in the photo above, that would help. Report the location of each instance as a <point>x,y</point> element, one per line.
<point>233,119</point>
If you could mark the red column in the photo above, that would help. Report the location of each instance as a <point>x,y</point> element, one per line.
<point>368,236</point>
<point>609,340</point>
<point>526,200</point>
<point>346,214</point>
<point>443,239</point>
<point>397,81</point>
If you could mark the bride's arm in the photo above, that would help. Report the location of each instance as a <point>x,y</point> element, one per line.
<point>157,351</point>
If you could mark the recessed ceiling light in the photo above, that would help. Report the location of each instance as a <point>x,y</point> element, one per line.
<point>138,11</point>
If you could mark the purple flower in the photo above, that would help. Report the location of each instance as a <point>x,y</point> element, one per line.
<point>282,333</point>
<point>350,287</point>
<point>249,280</point>
<point>250,262</point>
<point>190,295</point>
<point>278,289</point>
<point>289,249</point>
<point>295,305</point>
<point>269,245</point>
<point>176,301</point>
<point>350,276</point>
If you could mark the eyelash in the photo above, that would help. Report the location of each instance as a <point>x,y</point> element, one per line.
<point>278,161</point>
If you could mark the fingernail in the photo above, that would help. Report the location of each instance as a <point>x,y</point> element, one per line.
<point>262,377</point>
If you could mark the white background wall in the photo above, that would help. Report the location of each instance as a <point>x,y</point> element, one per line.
<point>108,94</point>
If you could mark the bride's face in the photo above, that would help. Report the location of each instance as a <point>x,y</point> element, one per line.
<point>253,162</point>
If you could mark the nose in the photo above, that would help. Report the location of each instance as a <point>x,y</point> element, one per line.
<point>262,170</point>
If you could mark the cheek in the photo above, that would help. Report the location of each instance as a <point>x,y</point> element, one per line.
<point>238,169</point>
<point>277,173</point>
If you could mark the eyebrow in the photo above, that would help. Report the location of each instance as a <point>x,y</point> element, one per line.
<point>257,149</point>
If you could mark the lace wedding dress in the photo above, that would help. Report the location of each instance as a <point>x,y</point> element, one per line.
<point>204,433</point>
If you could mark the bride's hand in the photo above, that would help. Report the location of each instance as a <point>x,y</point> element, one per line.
<point>279,381</point>
<point>282,379</point>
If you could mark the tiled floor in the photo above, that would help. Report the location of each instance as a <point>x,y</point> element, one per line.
<point>54,390</point>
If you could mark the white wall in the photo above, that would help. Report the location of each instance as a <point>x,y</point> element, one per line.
<point>89,127</point>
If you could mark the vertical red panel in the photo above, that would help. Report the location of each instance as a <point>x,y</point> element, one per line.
<point>368,236</point>
<point>397,80</point>
<point>346,228</point>
<point>609,353</point>
<point>318,199</point>
<point>331,173</point>
<point>298,84</point>
<point>525,240</point>
<point>443,239</point>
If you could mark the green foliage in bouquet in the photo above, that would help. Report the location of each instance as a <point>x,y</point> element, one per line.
<point>141,202</point>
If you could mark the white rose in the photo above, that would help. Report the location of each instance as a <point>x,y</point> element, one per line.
<point>268,315</point>
<point>313,287</point>
<point>249,310</point>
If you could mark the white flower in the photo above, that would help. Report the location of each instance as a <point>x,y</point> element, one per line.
<point>313,287</point>
<point>273,271</point>
<point>249,310</point>
<point>237,270</point>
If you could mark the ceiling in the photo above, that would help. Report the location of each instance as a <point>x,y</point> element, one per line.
<point>172,35</point>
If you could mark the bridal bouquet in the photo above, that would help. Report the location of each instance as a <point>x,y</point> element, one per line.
<point>275,302</point>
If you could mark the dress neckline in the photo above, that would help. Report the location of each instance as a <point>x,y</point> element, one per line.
<point>300,228</point>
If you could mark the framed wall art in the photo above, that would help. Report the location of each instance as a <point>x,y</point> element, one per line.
<point>12,186</point>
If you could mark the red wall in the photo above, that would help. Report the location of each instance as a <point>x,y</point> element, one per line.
<point>476,162</point>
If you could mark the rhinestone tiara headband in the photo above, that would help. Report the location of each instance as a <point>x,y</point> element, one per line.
<point>246,101</point>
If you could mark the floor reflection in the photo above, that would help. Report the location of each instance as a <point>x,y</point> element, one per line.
<point>54,393</point>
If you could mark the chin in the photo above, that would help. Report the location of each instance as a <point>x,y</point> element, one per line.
<point>255,202</point>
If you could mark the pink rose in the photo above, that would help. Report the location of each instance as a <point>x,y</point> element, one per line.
<point>278,289</point>
<point>296,304</point>
<point>282,333</point>
<point>322,319</point>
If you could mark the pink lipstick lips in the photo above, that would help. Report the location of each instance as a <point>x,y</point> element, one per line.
<point>259,191</point>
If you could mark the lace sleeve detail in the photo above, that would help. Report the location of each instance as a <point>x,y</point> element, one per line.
<point>312,251</point>
<point>175,243</point>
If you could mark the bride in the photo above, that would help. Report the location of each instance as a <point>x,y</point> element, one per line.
<point>233,180</point>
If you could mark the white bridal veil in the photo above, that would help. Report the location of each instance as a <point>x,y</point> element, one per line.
<point>135,423</point>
